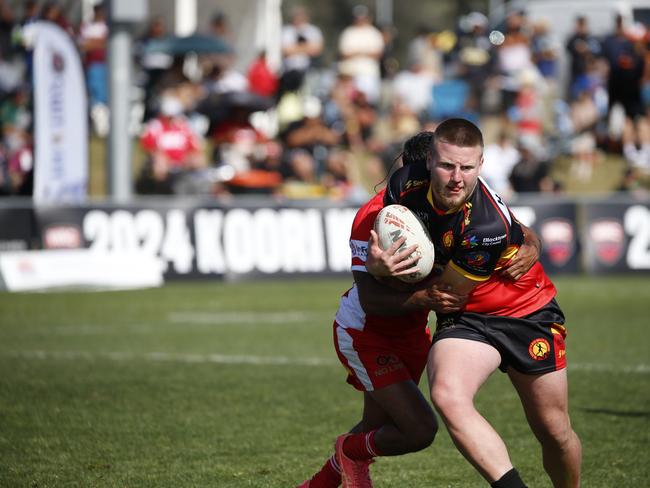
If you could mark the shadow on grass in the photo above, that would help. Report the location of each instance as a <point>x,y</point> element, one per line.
<point>616,413</point>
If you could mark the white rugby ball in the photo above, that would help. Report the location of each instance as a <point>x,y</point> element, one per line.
<point>395,221</point>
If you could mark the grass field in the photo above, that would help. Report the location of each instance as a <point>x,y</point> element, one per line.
<point>197,385</point>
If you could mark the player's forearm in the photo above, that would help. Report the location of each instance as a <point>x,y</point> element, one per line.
<point>392,297</point>
<point>394,302</point>
<point>532,239</point>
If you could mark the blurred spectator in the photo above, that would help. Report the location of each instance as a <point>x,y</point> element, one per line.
<point>21,163</point>
<point>262,177</point>
<point>582,48</point>
<point>16,111</point>
<point>52,12</point>
<point>237,143</point>
<point>528,110</point>
<point>388,63</point>
<point>499,158</point>
<point>626,66</point>
<point>226,79</point>
<point>361,46</point>
<point>531,173</point>
<point>584,113</point>
<point>366,116</point>
<point>636,144</point>
<point>473,54</point>
<point>341,178</point>
<point>302,44</point>
<point>153,64</point>
<point>544,50</point>
<point>584,156</point>
<point>422,50</point>
<point>348,112</point>
<point>7,23</point>
<point>174,152</point>
<point>261,80</point>
<point>311,134</point>
<point>390,132</point>
<point>301,177</point>
<point>414,88</point>
<point>93,36</point>
<point>30,12</point>
<point>220,27</point>
<point>514,57</point>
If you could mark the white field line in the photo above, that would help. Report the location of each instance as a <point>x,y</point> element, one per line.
<point>216,318</point>
<point>259,360</point>
<point>198,319</point>
<point>172,357</point>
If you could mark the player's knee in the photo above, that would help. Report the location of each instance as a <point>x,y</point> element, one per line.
<point>422,437</point>
<point>555,433</point>
<point>445,398</point>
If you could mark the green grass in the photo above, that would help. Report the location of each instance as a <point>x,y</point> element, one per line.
<point>169,388</point>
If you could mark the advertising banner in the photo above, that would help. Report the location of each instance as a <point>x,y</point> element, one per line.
<point>60,117</point>
<point>266,239</point>
<point>617,237</point>
<point>207,241</point>
<point>556,224</point>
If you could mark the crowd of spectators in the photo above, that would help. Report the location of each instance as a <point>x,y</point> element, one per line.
<point>310,129</point>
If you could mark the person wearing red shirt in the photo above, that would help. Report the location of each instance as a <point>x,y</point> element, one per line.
<point>261,80</point>
<point>170,141</point>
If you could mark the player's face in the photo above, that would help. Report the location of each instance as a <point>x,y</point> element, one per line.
<point>454,173</point>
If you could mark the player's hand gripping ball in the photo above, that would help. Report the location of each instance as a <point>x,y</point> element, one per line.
<point>395,221</point>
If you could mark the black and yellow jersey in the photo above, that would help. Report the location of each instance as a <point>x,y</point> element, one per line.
<point>477,240</point>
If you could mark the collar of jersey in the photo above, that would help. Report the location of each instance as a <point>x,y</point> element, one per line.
<point>433,205</point>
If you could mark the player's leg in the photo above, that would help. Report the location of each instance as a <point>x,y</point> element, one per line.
<point>329,475</point>
<point>545,401</point>
<point>396,416</point>
<point>457,368</point>
<point>399,419</point>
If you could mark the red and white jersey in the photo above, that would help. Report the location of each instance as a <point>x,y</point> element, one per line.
<point>175,138</point>
<point>350,314</point>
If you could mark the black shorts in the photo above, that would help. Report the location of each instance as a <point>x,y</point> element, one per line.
<point>533,344</point>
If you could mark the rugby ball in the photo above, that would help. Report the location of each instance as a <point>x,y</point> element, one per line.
<point>395,221</point>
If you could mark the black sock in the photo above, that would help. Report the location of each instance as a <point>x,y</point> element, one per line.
<point>509,480</point>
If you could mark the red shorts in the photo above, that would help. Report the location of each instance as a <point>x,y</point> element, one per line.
<point>375,360</point>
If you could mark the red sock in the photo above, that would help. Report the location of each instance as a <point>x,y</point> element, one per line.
<point>329,475</point>
<point>360,446</point>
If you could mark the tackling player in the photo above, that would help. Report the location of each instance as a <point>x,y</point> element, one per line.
<point>381,338</point>
<point>516,326</point>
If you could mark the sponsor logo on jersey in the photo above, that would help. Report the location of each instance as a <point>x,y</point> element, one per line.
<point>387,364</point>
<point>493,241</point>
<point>608,239</point>
<point>539,349</point>
<point>477,259</point>
<point>448,239</point>
<point>359,249</point>
<point>468,242</point>
<point>410,184</point>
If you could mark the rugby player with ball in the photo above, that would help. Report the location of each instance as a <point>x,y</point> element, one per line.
<point>381,334</point>
<point>517,327</point>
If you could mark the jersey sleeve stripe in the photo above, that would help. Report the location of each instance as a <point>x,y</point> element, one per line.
<point>467,274</point>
